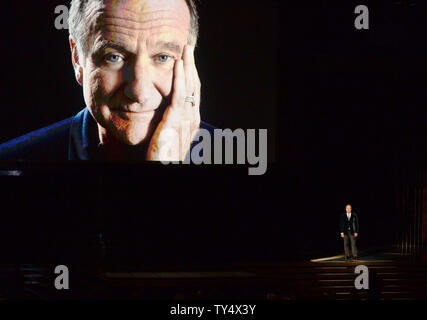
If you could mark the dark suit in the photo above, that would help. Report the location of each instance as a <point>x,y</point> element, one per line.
<point>75,138</point>
<point>349,227</point>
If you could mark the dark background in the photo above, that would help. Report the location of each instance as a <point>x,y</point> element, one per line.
<point>357,122</point>
<point>348,106</point>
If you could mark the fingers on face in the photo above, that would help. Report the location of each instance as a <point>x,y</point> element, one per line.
<point>178,94</point>
<point>186,83</point>
<point>197,89</point>
<point>189,70</point>
<point>192,78</point>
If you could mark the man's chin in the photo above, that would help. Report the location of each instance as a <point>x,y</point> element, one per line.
<point>130,136</point>
<point>128,128</point>
<point>132,139</point>
<point>131,133</point>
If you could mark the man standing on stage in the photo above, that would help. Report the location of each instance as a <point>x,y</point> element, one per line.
<point>349,228</point>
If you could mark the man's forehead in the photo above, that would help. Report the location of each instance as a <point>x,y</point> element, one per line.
<point>102,43</point>
<point>124,42</point>
<point>145,13</point>
<point>162,20</point>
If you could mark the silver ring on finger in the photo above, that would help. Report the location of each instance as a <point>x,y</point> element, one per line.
<point>190,99</point>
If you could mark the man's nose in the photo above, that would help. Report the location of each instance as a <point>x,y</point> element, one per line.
<point>139,84</point>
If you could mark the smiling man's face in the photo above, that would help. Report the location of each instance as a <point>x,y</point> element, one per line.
<point>128,71</point>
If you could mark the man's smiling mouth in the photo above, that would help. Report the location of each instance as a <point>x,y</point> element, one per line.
<point>134,115</point>
<point>132,109</point>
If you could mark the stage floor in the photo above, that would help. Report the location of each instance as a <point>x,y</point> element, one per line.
<point>378,256</point>
<point>393,276</point>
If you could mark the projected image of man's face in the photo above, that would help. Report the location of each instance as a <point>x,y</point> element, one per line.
<point>127,73</point>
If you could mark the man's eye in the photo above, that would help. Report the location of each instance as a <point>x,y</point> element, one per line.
<point>162,58</point>
<point>113,58</point>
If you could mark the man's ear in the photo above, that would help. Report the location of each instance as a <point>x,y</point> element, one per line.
<point>77,61</point>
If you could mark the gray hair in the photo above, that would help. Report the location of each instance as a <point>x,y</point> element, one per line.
<point>83,11</point>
